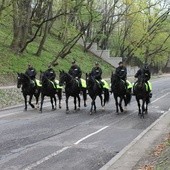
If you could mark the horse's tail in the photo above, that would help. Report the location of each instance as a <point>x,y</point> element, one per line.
<point>106,95</point>
<point>128,97</point>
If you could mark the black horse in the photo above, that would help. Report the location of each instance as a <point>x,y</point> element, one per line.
<point>141,93</point>
<point>72,88</point>
<point>94,90</point>
<point>28,89</point>
<point>119,90</point>
<point>49,89</point>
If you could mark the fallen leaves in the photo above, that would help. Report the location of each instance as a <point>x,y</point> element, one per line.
<point>147,167</point>
<point>159,148</point>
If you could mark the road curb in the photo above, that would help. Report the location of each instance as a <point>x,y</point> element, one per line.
<point>128,157</point>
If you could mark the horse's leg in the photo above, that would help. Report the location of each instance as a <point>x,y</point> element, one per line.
<point>147,102</point>
<point>84,96</point>
<point>53,103</point>
<point>78,101</point>
<point>139,109</point>
<point>125,100</point>
<point>67,108</point>
<point>116,103</point>
<point>101,99</point>
<point>37,98</point>
<point>30,99</point>
<point>75,106</point>
<point>42,100</point>
<point>143,108</point>
<point>92,104</point>
<point>120,104</point>
<point>25,99</point>
<point>59,94</point>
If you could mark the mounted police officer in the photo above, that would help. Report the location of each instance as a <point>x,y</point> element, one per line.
<point>31,72</point>
<point>145,72</point>
<point>121,71</point>
<point>75,71</point>
<point>50,73</point>
<point>97,73</point>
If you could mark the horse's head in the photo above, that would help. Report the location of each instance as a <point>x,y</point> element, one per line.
<point>141,81</point>
<point>115,78</point>
<point>89,79</point>
<point>22,79</point>
<point>64,77</point>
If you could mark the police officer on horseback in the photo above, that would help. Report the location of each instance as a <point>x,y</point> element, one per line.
<point>97,73</point>
<point>121,71</point>
<point>75,71</point>
<point>31,72</point>
<point>145,72</point>
<point>50,73</point>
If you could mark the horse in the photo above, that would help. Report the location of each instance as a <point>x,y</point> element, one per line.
<point>72,88</point>
<point>28,89</point>
<point>49,89</point>
<point>94,90</point>
<point>141,93</point>
<point>120,91</point>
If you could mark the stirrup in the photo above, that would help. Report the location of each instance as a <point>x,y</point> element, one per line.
<point>150,95</point>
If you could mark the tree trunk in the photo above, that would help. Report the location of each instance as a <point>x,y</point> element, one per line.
<point>46,30</point>
<point>21,21</point>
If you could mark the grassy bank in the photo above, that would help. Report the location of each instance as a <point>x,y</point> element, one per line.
<point>11,63</point>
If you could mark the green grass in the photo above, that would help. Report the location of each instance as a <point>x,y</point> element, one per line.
<point>11,63</point>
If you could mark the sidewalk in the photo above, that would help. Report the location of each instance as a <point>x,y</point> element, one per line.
<point>128,158</point>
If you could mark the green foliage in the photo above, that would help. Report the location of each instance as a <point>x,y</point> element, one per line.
<point>12,63</point>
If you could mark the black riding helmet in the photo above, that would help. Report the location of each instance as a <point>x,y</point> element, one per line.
<point>145,67</point>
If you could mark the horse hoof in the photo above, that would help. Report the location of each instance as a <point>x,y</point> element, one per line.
<point>90,113</point>
<point>78,108</point>
<point>67,111</point>
<point>59,107</point>
<point>85,105</point>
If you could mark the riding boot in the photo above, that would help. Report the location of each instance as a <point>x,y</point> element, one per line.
<point>101,83</point>
<point>133,89</point>
<point>149,91</point>
<point>55,84</point>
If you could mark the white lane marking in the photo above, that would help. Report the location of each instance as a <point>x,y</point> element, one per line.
<point>90,135</point>
<point>10,114</point>
<point>160,97</point>
<point>46,158</point>
<point>61,150</point>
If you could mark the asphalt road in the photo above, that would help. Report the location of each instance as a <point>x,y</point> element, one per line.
<point>55,140</point>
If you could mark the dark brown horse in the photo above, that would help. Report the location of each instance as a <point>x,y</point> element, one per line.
<point>119,90</point>
<point>49,89</point>
<point>141,93</point>
<point>29,88</point>
<point>94,89</point>
<point>72,88</point>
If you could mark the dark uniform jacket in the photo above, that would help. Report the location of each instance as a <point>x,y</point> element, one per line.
<point>97,73</point>
<point>121,71</point>
<point>50,74</point>
<point>143,72</point>
<point>31,72</point>
<point>75,71</point>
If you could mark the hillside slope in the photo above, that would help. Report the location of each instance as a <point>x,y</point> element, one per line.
<point>12,63</point>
